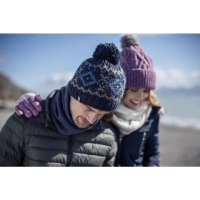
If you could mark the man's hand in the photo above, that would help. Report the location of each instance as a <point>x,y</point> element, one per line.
<point>28,104</point>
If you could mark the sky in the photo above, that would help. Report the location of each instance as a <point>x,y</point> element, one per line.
<point>43,62</point>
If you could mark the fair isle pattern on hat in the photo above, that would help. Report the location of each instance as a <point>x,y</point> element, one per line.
<point>98,82</point>
<point>138,67</point>
<point>107,79</point>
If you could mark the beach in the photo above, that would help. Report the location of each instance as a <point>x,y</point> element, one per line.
<point>178,146</point>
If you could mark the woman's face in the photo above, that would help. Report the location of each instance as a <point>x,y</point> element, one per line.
<point>133,97</point>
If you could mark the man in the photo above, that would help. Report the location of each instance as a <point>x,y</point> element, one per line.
<point>68,131</point>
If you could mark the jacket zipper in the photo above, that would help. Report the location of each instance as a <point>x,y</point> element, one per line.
<point>143,138</point>
<point>69,151</point>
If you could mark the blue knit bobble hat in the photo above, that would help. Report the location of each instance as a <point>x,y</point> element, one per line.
<point>100,81</point>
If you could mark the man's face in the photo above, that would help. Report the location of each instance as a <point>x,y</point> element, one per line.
<point>84,115</point>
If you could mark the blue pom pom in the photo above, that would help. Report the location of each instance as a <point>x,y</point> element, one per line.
<point>107,51</point>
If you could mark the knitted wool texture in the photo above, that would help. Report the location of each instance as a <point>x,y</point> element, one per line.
<point>138,67</point>
<point>100,81</point>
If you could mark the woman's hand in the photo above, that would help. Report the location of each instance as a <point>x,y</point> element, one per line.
<point>28,104</point>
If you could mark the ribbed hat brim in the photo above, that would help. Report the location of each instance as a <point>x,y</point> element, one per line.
<point>140,79</point>
<point>92,101</point>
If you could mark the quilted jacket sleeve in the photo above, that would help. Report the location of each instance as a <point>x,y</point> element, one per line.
<point>11,142</point>
<point>110,160</point>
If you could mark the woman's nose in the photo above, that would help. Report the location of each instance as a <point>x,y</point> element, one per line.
<point>140,95</point>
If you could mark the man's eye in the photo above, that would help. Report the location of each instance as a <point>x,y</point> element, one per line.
<point>99,116</point>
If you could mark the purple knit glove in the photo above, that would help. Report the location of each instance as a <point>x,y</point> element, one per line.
<point>28,104</point>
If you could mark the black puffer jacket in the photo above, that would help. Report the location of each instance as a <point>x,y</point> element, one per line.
<point>36,142</point>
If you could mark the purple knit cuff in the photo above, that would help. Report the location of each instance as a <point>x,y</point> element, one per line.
<point>140,79</point>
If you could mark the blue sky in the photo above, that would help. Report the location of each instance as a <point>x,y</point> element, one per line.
<point>43,62</point>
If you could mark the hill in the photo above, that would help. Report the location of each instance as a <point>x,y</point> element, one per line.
<point>9,90</point>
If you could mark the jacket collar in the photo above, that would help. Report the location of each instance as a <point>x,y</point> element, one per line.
<point>154,111</point>
<point>48,122</point>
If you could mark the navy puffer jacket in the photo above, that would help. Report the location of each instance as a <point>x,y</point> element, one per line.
<point>141,146</point>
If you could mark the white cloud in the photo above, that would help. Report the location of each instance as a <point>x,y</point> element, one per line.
<point>55,81</point>
<point>177,78</point>
<point>61,78</point>
<point>172,78</point>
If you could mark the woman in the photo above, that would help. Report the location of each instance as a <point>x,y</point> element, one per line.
<point>136,118</point>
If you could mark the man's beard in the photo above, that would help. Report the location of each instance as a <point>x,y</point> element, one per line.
<point>80,125</point>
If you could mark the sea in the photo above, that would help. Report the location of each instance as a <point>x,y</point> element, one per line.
<point>181,110</point>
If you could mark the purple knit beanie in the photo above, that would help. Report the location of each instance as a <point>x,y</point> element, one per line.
<point>138,67</point>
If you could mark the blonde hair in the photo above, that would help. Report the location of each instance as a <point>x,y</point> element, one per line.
<point>152,99</point>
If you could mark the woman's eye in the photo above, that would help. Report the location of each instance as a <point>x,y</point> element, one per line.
<point>146,91</point>
<point>134,90</point>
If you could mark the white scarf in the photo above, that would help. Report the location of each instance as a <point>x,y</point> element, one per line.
<point>128,120</point>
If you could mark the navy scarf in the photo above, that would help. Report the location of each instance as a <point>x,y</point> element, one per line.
<point>61,116</point>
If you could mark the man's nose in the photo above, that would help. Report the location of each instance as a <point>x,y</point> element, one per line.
<point>92,118</point>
